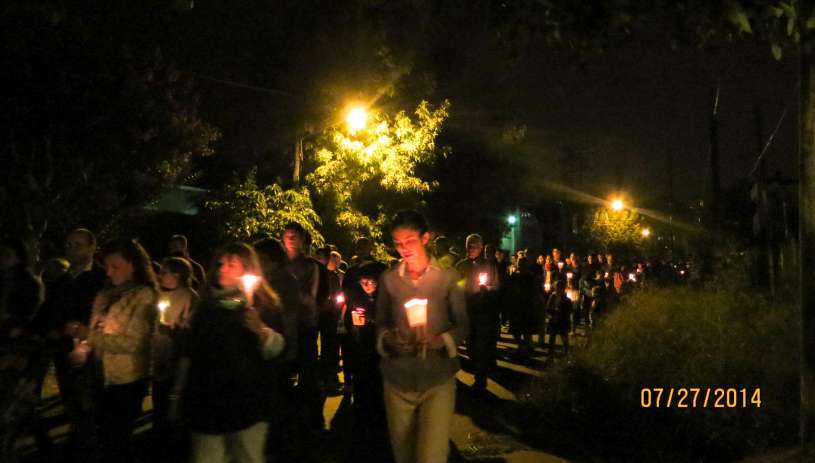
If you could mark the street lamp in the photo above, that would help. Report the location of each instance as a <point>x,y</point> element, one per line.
<point>646,232</point>
<point>617,204</point>
<point>512,219</point>
<point>357,119</point>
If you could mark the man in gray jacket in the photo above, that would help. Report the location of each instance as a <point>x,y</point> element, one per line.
<point>421,317</point>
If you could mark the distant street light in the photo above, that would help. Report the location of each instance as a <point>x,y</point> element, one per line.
<point>617,204</point>
<point>646,232</point>
<point>512,219</point>
<point>357,119</point>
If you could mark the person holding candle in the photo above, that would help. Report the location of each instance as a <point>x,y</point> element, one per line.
<point>419,390</point>
<point>121,327</point>
<point>226,378</point>
<point>480,278</point>
<point>369,439</point>
<point>559,309</point>
<point>177,302</point>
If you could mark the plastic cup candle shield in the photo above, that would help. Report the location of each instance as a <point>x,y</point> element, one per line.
<point>560,265</point>
<point>547,287</point>
<point>482,279</point>
<point>358,316</point>
<point>250,282</point>
<point>162,311</point>
<point>569,275</point>
<point>340,299</point>
<point>632,277</point>
<point>416,310</point>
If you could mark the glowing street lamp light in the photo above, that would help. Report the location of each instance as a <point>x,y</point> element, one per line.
<point>357,119</point>
<point>617,204</point>
<point>646,232</point>
<point>512,219</point>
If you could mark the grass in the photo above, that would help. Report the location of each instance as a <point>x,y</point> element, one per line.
<point>678,338</point>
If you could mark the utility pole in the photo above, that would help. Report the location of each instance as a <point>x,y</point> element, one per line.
<point>713,161</point>
<point>671,206</point>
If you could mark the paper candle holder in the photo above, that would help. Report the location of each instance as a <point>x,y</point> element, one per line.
<point>416,310</point>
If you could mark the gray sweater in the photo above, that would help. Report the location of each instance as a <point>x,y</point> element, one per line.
<point>446,316</point>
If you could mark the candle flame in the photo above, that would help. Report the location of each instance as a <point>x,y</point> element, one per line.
<point>482,279</point>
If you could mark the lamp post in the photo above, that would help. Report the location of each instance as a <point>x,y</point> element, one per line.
<point>512,220</point>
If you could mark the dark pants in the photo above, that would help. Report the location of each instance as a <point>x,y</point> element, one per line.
<point>120,407</point>
<point>561,329</point>
<point>78,389</point>
<point>308,388</point>
<point>485,329</point>
<point>161,407</point>
<point>329,347</point>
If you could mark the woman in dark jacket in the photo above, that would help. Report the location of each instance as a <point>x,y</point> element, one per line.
<point>369,437</point>
<point>228,373</point>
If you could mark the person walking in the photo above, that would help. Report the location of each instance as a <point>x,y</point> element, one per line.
<point>419,348</point>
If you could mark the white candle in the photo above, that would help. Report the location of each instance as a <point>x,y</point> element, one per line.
<point>416,312</point>
<point>162,311</point>
<point>250,282</point>
<point>482,279</point>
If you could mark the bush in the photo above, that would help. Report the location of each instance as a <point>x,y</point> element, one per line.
<point>679,338</point>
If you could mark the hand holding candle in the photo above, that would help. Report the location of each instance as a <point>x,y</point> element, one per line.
<point>340,299</point>
<point>560,265</point>
<point>547,287</point>
<point>250,282</point>
<point>569,275</point>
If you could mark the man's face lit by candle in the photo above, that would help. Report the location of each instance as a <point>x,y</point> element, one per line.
<point>410,244</point>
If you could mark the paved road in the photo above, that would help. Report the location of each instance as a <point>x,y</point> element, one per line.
<point>484,428</point>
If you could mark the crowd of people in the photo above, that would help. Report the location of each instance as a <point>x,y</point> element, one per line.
<point>238,359</point>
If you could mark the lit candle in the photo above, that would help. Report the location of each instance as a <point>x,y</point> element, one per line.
<point>547,287</point>
<point>632,277</point>
<point>482,279</point>
<point>358,316</point>
<point>606,274</point>
<point>560,265</point>
<point>250,282</point>
<point>162,311</point>
<point>569,275</point>
<point>340,299</point>
<point>416,312</point>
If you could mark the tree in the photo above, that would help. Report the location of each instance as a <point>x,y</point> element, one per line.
<point>243,211</point>
<point>361,178</point>
<point>96,127</point>
<point>611,229</point>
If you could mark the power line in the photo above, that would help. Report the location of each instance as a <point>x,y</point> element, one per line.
<point>239,85</point>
